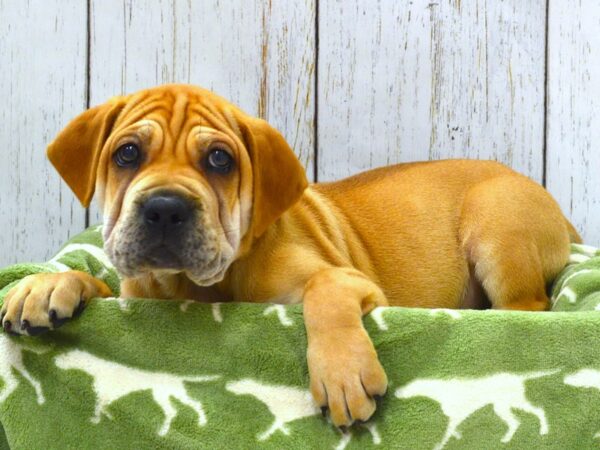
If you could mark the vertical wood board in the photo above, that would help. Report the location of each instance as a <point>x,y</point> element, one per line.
<point>259,55</point>
<point>573,121</point>
<point>405,81</point>
<point>42,86</point>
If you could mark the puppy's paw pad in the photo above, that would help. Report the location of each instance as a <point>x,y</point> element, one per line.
<point>31,330</point>
<point>56,321</point>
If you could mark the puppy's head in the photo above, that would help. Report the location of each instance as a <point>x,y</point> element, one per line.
<point>185,179</point>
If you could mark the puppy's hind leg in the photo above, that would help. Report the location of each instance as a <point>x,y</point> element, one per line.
<point>517,240</point>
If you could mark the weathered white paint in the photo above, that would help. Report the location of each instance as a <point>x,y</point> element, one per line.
<point>573,120</point>
<point>259,55</point>
<point>402,81</point>
<point>42,85</point>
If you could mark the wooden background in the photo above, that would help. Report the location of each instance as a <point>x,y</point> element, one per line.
<point>352,84</point>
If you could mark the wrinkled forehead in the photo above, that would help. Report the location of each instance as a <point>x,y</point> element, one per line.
<point>177,110</point>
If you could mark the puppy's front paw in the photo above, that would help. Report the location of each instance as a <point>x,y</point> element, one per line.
<point>345,375</point>
<point>45,301</point>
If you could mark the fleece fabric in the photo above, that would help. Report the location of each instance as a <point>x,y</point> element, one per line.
<point>142,374</point>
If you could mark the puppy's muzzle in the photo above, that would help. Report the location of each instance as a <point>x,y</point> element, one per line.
<point>165,214</point>
<point>166,220</point>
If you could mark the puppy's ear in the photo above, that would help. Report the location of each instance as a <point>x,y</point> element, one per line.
<point>75,152</point>
<point>279,178</point>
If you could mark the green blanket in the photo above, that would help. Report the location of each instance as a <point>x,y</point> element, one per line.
<point>141,374</point>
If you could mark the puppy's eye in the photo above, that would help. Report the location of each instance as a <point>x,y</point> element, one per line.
<point>219,161</point>
<point>127,155</point>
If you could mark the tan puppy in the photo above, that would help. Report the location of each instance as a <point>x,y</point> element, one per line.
<point>202,201</point>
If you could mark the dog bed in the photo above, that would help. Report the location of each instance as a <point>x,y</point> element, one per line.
<point>131,374</point>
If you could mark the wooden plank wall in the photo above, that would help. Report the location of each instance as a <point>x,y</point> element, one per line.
<point>402,81</point>
<point>260,56</point>
<point>351,84</point>
<point>42,85</point>
<point>573,112</point>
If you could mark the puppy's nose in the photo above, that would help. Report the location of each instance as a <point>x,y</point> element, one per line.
<point>165,212</point>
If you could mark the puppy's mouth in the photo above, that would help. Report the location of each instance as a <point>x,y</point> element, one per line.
<point>169,233</point>
<point>135,257</point>
<point>163,257</point>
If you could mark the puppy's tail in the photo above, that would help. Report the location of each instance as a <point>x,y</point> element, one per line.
<point>573,234</point>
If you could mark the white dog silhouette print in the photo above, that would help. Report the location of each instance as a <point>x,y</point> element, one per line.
<point>12,358</point>
<point>461,397</point>
<point>111,381</point>
<point>287,404</point>
<point>585,378</point>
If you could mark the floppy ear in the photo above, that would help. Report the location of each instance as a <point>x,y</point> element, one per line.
<point>278,177</point>
<point>75,152</point>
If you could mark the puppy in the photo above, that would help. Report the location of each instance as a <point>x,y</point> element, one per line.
<point>205,202</point>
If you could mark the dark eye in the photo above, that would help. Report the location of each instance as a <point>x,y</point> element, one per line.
<point>219,160</point>
<point>127,155</point>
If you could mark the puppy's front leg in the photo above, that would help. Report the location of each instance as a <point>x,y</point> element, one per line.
<point>46,300</point>
<point>345,373</point>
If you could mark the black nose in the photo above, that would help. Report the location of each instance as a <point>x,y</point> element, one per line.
<point>165,212</point>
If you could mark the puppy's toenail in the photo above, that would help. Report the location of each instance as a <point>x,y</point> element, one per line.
<point>24,324</point>
<point>343,428</point>
<point>7,326</point>
<point>79,308</point>
<point>324,411</point>
<point>55,320</point>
